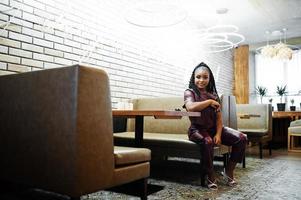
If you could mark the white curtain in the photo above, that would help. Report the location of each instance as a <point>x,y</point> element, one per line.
<point>271,73</point>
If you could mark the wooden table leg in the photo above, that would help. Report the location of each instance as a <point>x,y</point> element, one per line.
<point>139,121</point>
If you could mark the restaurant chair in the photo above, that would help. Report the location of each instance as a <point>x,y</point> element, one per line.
<point>294,130</point>
<point>255,120</point>
<point>56,134</point>
<point>229,116</point>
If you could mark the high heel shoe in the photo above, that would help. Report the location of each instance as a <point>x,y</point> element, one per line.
<point>229,181</point>
<point>212,184</point>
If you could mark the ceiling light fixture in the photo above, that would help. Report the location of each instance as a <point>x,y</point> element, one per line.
<point>215,39</point>
<point>220,38</point>
<point>221,11</point>
<point>155,14</point>
<point>281,50</point>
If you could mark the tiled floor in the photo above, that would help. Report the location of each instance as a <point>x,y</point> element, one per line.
<point>273,177</point>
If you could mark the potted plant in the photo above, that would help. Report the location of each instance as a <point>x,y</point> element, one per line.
<point>261,91</point>
<point>292,107</point>
<point>271,102</point>
<point>281,91</point>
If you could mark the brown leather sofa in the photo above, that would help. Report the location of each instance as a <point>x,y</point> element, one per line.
<point>56,133</point>
<point>168,137</point>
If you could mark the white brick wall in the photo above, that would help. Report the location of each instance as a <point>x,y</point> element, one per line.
<point>3,33</point>
<point>33,48</point>
<point>18,68</point>
<point>9,42</point>
<point>3,49</point>
<point>20,53</point>
<point>20,37</point>
<point>3,66</point>
<point>9,59</point>
<point>43,57</point>
<point>50,34</point>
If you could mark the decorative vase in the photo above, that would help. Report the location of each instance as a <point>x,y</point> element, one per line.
<point>281,106</point>
<point>293,108</point>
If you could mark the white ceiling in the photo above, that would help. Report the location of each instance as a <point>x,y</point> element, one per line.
<point>253,17</point>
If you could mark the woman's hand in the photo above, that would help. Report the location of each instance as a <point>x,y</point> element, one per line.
<point>217,139</point>
<point>215,105</point>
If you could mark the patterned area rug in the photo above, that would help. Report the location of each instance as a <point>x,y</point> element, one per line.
<point>277,177</point>
<point>274,178</point>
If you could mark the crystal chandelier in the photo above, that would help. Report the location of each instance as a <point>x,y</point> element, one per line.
<point>281,50</point>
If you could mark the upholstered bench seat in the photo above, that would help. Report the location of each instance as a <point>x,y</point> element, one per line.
<point>255,132</point>
<point>56,134</point>
<point>168,140</point>
<point>295,130</point>
<point>167,137</point>
<point>128,156</point>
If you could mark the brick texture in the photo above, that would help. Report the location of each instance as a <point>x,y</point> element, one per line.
<point>50,34</point>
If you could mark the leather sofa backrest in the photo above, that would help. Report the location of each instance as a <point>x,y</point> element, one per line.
<point>253,116</point>
<point>175,126</point>
<point>56,129</point>
<point>228,104</point>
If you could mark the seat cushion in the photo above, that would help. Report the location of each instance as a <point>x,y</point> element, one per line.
<point>167,142</point>
<point>295,123</point>
<point>254,132</point>
<point>165,139</point>
<point>129,155</point>
<point>295,129</point>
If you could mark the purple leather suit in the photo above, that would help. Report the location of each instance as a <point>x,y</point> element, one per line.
<point>203,129</point>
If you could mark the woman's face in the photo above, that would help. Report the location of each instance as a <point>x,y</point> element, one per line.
<point>201,78</point>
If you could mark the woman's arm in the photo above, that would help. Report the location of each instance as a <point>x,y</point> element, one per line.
<point>193,106</point>
<point>198,106</point>
<point>219,127</point>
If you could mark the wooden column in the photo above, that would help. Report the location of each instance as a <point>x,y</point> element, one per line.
<point>241,74</point>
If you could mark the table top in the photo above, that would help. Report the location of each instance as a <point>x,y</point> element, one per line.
<point>166,114</point>
<point>287,114</point>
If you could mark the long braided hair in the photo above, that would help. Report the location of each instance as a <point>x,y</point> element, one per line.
<point>211,88</point>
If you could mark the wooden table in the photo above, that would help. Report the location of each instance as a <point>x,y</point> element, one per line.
<point>158,114</point>
<point>293,115</point>
<point>281,122</point>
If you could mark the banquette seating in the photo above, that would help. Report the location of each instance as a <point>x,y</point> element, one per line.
<point>168,137</point>
<point>56,134</point>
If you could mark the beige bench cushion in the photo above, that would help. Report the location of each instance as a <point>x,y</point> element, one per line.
<point>295,129</point>
<point>129,155</point>
<point>295,123</point>
<point>255,132</point>
<point>172,141</point>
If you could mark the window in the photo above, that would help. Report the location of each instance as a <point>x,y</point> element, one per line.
<point>271,73</point>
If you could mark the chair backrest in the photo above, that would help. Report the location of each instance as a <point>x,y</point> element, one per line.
<point>175,126</point>
<point>228,105</point>
<point>56,129</point>
<point>254,117</point>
